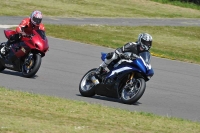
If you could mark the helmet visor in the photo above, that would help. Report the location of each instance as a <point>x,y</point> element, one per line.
<point>147,43</point>
<point>37,20</point>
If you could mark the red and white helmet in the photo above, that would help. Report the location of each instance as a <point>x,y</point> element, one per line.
<point>36,17</point>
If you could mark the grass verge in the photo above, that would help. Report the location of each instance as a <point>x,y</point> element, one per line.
<point>177,43</point>
<point>22,112</point>
<point>96,8</point>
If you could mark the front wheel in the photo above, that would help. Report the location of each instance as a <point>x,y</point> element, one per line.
<point>131,93</point>
<point>31,65</point>
<point>86,85</point>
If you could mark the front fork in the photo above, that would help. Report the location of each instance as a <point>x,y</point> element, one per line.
<point>130,81</point>
<point>27,60</point>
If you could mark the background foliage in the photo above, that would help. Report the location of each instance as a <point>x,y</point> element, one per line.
<point>190,1</point>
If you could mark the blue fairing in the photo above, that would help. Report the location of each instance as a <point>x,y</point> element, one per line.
<point>150,72</point>
<point>136,66</point>
<point>120,69</point>
<point>138,63</point>
<point>141,65</point>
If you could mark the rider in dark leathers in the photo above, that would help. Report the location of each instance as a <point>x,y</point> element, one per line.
<point>143,43</point>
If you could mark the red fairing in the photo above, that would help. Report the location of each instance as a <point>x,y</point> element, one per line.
<point>40,43</point>
<point>8,33</point>
<point>37,42</point>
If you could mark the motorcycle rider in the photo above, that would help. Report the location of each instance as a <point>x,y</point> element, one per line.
<point>143,43</point>
<point>26,27</point>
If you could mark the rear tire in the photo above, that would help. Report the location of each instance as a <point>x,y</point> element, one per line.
<point>130,97</point>
<point>1,67</point>
<point>30,69</point>
<point>86,85</point>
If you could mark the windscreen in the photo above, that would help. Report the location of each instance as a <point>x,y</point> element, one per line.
<point>41,33</point>
<point>146,56</point>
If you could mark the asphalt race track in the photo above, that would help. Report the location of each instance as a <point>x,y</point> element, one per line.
<point>6,20</point>
<point>173,91</point>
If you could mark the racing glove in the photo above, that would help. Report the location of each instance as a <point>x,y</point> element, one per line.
<point>124,56</point>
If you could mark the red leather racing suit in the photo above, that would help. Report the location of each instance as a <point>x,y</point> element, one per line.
<point>27,27</point>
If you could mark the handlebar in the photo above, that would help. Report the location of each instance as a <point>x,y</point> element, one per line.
<point>135,56</point>
<point>26,35</point>
<point>131,57</point>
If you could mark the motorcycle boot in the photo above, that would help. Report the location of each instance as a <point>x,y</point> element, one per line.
<point>98,73</point>
<point>99,70</point>
<point>5,49</point>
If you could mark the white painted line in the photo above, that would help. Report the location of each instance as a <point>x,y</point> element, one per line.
<point>7,26</point>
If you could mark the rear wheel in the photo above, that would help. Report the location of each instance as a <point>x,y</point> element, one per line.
<point>86,85</point>
<point>131,93</point>
<point>31,65</point>
<point>1,67</point>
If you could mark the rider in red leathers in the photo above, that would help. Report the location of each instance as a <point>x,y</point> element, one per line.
<point>26,26</point>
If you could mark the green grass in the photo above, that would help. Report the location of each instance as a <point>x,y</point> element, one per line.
<point>96,8</point>
<point>22,112</point>
<point>177,43</point>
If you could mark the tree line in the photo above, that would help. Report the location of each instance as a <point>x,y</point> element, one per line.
<point>190,1</point>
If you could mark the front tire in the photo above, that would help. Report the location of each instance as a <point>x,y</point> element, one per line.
<point>132,94</point>
<point>86,85</point>
<point>31,65</point>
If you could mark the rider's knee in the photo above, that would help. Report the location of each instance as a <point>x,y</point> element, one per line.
<point>109,55</point>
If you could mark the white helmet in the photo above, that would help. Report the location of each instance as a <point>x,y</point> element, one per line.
<point>145,40</point>
<point>36,17</point>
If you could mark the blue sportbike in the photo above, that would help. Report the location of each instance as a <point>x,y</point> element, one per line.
<point>124,79</point>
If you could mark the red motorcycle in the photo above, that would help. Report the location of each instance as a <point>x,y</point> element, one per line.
<point>25,56</point>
